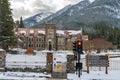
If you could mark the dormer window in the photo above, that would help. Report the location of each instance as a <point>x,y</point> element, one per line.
<point>31,32</point>
<point>23,34</point>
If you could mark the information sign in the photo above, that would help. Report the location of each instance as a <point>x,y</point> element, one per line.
<point>97,60</point>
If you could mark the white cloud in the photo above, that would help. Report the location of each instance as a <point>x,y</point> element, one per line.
<point>26,8</point>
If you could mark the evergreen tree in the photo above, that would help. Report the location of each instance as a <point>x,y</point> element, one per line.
<point>7,38</point>
<point>101,29</point>
<point>21,24</point>
<point>114,35</point>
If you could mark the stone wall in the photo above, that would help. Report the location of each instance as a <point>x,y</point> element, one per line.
<point>59,75</point>
<point>2,60</point>
<point>49,65</point>
<point>70,64</point>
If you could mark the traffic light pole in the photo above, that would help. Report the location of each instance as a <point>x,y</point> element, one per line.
<point>78,63</point>
<point>77,47</point>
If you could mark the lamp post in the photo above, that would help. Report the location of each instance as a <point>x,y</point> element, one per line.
<point>50,46</point>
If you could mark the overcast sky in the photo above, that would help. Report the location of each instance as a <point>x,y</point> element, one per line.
<point>26,8</point>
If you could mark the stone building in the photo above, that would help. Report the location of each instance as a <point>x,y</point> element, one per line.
<point>45,38</point>
<point>32,38</point>
<point>56,39</point>
<point>50,36</point>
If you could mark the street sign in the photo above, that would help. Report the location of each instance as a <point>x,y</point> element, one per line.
<point>59,67</point>
<point>59,62</point>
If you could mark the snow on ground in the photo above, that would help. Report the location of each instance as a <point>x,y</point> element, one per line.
<point>96,75</point>
<point>21,60</point>
<point>23,76</point>
<point>93,75</point>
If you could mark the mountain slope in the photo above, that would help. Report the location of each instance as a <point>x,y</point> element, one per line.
<point>31,21</point>
<point>67,14</point>
<point>85,13</point>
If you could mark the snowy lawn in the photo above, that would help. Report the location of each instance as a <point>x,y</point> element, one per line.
<point>93,75</point>
<point>96,75</point>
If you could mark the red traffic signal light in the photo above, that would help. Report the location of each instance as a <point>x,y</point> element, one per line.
<point>79,43</point>
<point>79,47</point>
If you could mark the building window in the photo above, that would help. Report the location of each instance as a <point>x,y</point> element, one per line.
<point>31,34</point>
<point>42,45</point>
<point>43,39</point>
<point>32,45</point>
<point>39,39</point>
<point>29,45</point>
<point>39,45</point>
<point>36,45</point>
<point>31,39</point>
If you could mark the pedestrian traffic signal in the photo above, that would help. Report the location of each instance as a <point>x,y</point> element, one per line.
<point>79,66</point>
<point>75,46</point>
<point>80,47</point>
